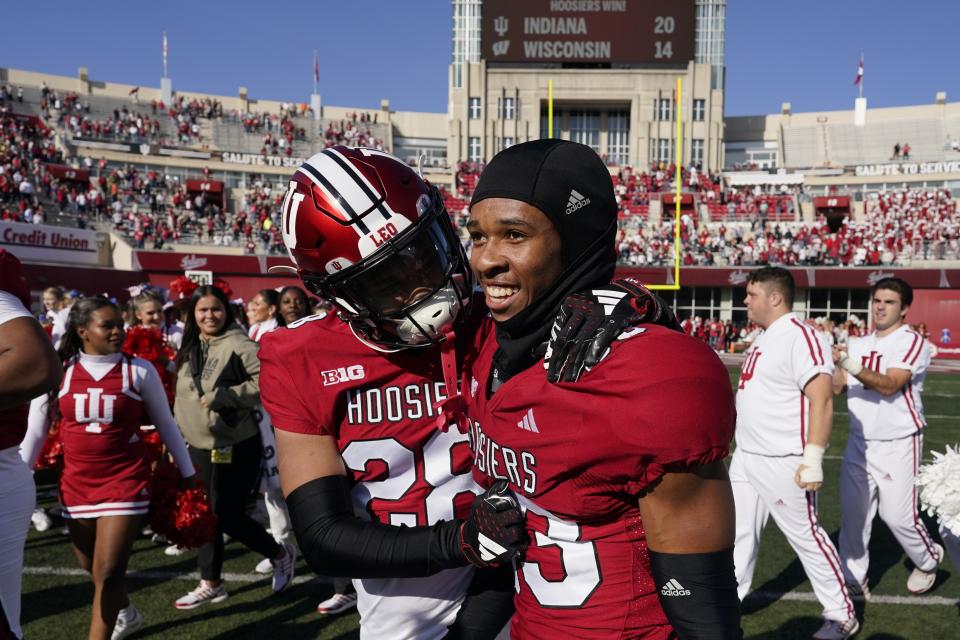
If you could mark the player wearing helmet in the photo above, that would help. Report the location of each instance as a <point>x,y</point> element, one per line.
<point>357,404</point>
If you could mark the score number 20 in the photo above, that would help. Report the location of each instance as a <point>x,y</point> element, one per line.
<point>663,25</point>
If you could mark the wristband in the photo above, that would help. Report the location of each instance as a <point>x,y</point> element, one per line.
<point>849,365</point>
<point>812,467</point>
<point>813,455</point>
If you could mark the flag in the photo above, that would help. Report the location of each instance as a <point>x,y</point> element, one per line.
<point>859,77</point>
<point>316,67</point>
<point>134,90</point>
<point>166,49</point>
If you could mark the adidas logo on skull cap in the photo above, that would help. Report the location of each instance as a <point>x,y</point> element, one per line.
<point>576,201</point>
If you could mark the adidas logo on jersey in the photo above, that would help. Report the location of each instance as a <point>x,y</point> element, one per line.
<point>528,423</point>
<point>576,201</point>
<point>674,588</point>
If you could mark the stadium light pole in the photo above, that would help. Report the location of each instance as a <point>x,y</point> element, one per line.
<point>678,180</point>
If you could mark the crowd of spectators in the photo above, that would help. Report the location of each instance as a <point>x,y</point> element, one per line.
<point>26,183</point>
<point>729,336</point>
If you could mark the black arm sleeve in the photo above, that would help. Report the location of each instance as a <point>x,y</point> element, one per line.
<point>335,542</point>
<point>698,592</point>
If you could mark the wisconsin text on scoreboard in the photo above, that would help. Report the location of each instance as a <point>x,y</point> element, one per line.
<point>602,31</point>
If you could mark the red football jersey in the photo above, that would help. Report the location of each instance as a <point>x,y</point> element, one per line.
<point>103,454</point>
<point>317,377</point>
<point>578,455</point>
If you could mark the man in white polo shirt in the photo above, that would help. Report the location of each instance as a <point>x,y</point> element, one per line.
<point>784,417</point>
<point>884,373</point>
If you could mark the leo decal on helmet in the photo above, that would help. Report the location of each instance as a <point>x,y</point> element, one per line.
<point>366,232</point>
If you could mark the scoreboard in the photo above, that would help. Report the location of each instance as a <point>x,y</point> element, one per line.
<point>646,32</point>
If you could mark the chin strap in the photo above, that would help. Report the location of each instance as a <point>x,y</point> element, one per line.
<point>452,409</point>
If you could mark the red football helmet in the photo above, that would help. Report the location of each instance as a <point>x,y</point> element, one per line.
<point>368,234</point>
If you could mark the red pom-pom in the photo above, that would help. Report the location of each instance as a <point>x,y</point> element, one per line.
<point>182,287</point>
<point>51,456</point>
<point>153,445</point>
<point>182,516</point>
<point>148,343</point>
<point>221,284</point>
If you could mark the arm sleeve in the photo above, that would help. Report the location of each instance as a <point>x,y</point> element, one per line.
<point>699,595</point>
<point>809,356</point>
<point>38,423</point>
<point>335,542</point>
<point>245,395</point>
<point>155,399</point>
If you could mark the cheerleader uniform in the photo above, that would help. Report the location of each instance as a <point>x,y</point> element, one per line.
<point>103,400</point>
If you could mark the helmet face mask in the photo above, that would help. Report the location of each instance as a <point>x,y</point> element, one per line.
<point>406,281</point>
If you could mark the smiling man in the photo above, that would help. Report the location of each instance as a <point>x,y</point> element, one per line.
<point>883,373</point>
<point>628,504</point>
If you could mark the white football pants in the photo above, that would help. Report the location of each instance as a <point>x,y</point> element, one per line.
<point>18,497</point>
<point>879,475</point>
<point>763,486</point>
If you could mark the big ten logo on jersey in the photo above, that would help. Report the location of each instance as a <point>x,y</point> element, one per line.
<point>748,367</point>
<point>405,484</point>
<point>871,361</point>
<point>342,374</point>
<point>501,462</point>
<point>94,408</point>
<point>376,405</point>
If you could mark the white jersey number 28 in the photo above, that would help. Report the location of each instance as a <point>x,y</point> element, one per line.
<point>402,475</point>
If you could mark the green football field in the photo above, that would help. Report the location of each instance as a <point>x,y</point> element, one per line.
<point>57,596</point>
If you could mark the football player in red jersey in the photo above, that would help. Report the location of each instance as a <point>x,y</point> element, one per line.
<point>362,407</point>
<point>28,367</point>
<point>629,507</point>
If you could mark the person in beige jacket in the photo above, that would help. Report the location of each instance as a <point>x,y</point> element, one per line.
<point>216,407</point>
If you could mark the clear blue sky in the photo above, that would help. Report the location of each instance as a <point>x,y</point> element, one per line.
<point>802,52</point>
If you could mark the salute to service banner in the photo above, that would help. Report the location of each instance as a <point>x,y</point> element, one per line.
<point>37,242</point>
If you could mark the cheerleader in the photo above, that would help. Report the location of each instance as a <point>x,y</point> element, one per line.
<point>148,310</point>
<point>104,398</point>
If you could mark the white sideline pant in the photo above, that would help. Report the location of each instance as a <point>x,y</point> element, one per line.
<point>879,476</point>
<point>18,497</point>
<point>763,486</point>
<point>951,542</point>
<point>280,526</point>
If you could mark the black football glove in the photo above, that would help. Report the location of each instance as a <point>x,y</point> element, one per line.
<point>589,321</point>
<point>495,532</point>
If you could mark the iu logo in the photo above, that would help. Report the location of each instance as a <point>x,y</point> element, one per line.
<point>93,407</point>
<point>342,374</point>
<point>500,25</point>
<point>871,361</point>
<point>749,366</point>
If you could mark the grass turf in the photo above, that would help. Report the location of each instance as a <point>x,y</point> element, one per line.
<point>58,606</point>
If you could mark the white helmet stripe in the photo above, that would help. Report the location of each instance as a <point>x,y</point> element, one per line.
<point>361,180</point>
<point>288,223</point>
<point>311,170</point>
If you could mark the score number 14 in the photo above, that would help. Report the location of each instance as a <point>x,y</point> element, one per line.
<point>663,25</point>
